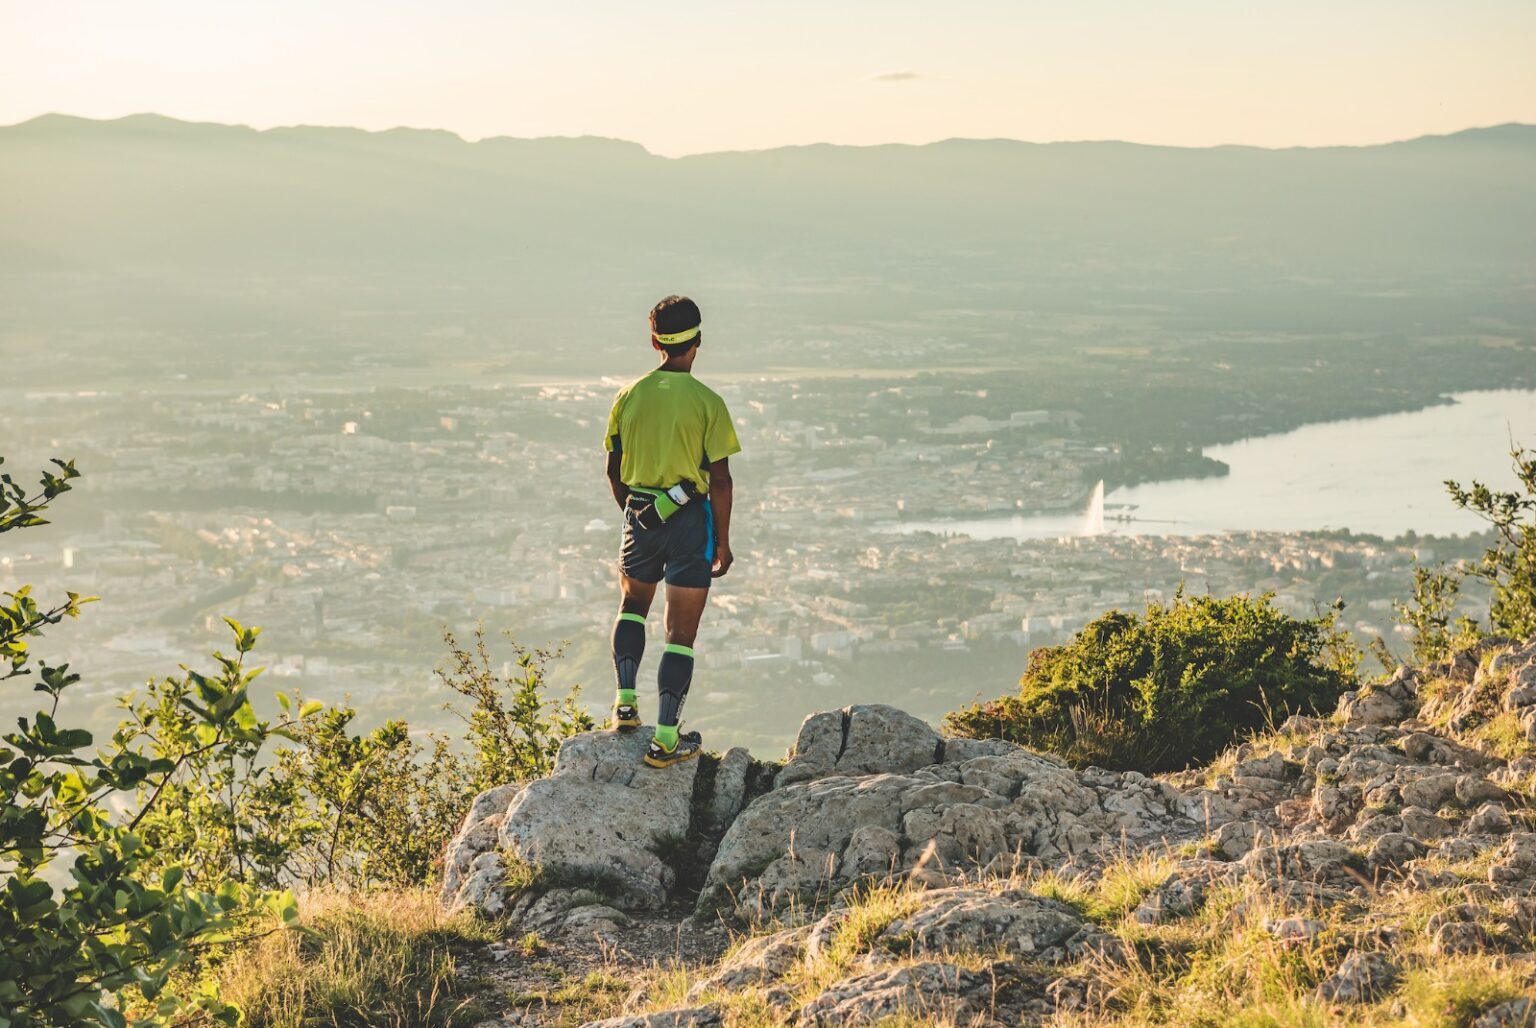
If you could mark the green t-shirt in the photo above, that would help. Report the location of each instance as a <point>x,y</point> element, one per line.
<point>669,426</point>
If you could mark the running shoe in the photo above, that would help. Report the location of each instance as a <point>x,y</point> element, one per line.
<point>626,717</point>
<point>689,745</point>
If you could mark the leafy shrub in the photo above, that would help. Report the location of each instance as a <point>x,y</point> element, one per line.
<point>1172,688</point>
<point>1431,618</point>
<point>1507,568</point>
<point>188,826</point>
<point>1509,565</point>
<point>516,738</point>
<point>330,807</point>
<point>77,946</point>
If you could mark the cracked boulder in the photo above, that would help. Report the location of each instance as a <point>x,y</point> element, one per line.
<point>860,740</point>
<point>592,827</point>
<point>472,872</point>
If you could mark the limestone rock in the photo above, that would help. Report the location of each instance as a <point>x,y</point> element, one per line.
<point>759,961</point>
<point>976,919</point>
<point>860,740</point>
<point>1429,791</point>
<point>1523,694</point>
<point>872,851</point>
<point>1423,825</point>
<point>1394,849</point>
<point>818,835</point>
<point>1474,789</point>
<point>1490,819</point>
<point>730,788</point>
<point>689,1017</point>
<point>1515,1013</point>
<point>595,919</point>
<point>595,821</point>
<point>959,750</point>
<point>1074,994</point>
<point>465,878</point>
<point>1270,767</point>
<point>1372,707</point>
<point>1333,806</point>
<point>932,989</point>
<point>1315,860</point>
<point>1515,862</point>
<point>1294,930</point>
<point>1454,938</point>
<point>479,887</point>
<point>1433,749</point>
<point>1361,978</point>
<point>1344,812</point>
<point>1184,892</point>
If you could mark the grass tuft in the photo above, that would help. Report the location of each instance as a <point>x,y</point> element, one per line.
<point>384,958</point>
<point>1450,992</point>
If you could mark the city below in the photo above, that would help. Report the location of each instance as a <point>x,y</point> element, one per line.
<point>356,527</point>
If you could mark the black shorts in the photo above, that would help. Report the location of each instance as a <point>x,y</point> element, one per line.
<point>681,549</point>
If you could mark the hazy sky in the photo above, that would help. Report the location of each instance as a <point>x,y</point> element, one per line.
<point>684,77</point>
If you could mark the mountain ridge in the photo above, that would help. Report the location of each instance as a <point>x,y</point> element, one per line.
<point>574,228</point>
<point>1512,130</point>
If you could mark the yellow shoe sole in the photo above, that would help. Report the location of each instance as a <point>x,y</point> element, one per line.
<point>674,759</point>
<point>627,726</point>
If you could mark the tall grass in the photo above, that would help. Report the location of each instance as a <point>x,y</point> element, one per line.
<point>381,960</point>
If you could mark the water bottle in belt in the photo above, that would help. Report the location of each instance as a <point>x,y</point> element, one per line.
<point>663,503</point>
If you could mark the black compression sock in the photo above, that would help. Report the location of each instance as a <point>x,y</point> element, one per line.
<point>628,648</point>
<point>672,679</point>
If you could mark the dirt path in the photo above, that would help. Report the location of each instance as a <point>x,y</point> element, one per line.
<point>578,975</point>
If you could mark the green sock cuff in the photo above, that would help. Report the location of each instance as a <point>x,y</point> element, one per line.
<point>627,696</point>
<point>686,651</point>
<point>627,616</point>
<point>666,735</point>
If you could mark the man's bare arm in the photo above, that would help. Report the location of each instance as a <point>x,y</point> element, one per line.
<point>720,489</point>
<point>620,490</point>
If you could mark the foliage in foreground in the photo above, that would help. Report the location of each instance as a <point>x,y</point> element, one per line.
<point>1171,688</point>
<point>91,913</point>
<point>1507,568</point>
<point>330,807</point>
<point>126,876</point>
<point>381,958</point>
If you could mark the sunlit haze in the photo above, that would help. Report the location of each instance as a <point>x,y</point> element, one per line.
<point>687,77</point>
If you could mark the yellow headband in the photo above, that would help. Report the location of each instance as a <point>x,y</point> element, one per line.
<point>677,337</point>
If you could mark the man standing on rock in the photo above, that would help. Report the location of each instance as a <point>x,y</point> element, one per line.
<point>669,442</point>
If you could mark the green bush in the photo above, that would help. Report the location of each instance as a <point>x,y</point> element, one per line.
<point>1171,688</point>
<point>128,877</point>
<point>1507,568</point>
<point>93,919</point>
<point>512,728</point>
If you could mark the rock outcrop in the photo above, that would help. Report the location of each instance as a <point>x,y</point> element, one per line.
<point>597,828</point>
<point>1397,793</point>
<point>866,792</point>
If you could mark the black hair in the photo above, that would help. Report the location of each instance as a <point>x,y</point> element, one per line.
<point>676,314</point>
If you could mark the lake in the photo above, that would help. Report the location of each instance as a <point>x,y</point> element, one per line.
<point>1381,475</point>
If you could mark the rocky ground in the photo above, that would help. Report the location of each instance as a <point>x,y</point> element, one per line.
<point>1377,866</point>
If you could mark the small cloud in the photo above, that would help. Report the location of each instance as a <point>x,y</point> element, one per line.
<point>894,76</point>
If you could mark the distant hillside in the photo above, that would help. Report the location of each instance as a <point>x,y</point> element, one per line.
<point>165,214</point>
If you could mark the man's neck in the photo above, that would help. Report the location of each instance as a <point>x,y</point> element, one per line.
<point>676,364</point>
